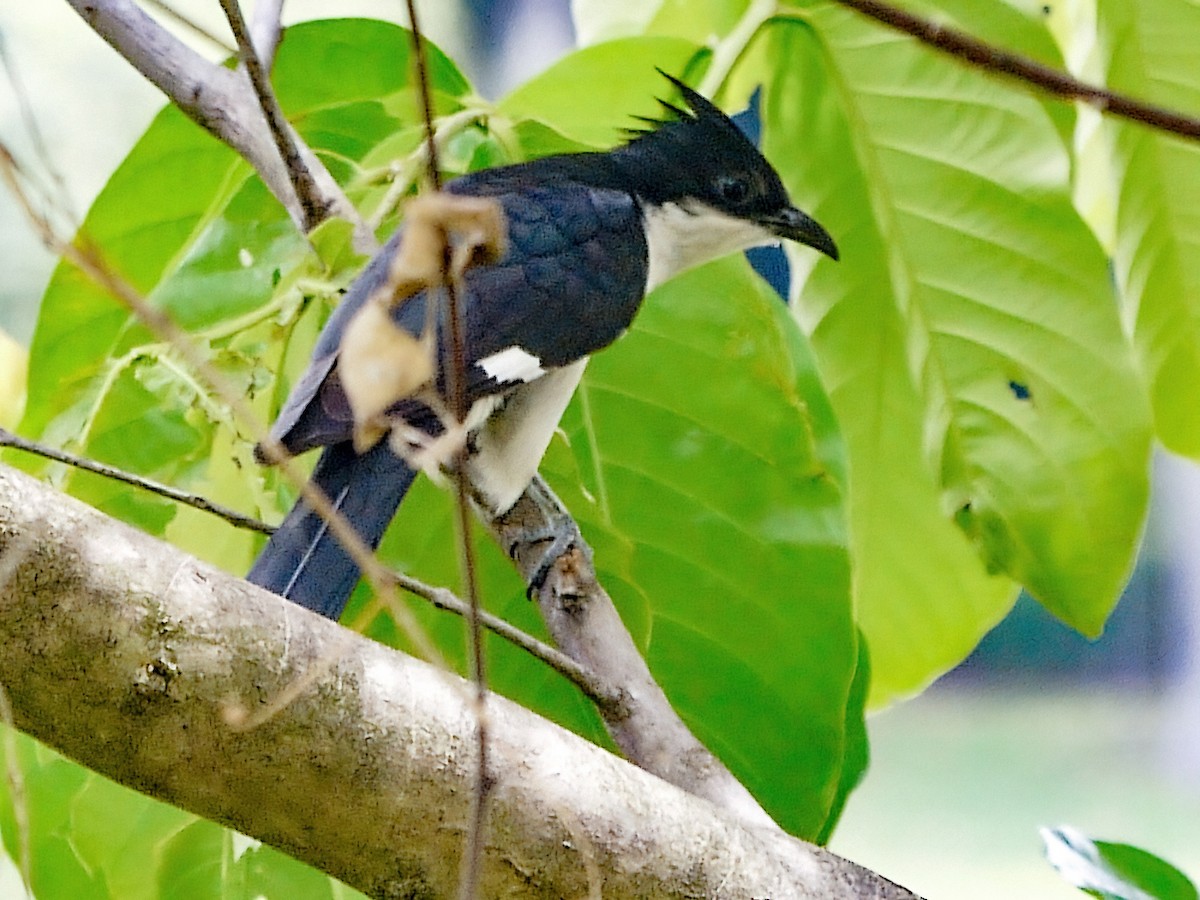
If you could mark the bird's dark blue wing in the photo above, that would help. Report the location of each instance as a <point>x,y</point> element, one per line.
<point>570,284</point>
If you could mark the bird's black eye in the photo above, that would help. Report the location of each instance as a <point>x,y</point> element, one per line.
<point>732,188</point>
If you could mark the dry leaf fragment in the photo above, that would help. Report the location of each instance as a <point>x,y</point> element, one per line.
<point>381,364</point>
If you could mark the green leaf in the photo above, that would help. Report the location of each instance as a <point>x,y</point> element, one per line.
<point>157,852</point>
<point>705,446</point>
<point>1157,256</point>
<point>334,62</point>
<point>702,460</point>
<point>14,364</point>
<point>552,97</point>
<point>1113,871</point>
<point>968,339</point>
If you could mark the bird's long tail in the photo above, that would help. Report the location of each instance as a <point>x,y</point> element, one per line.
<point>303,561</point>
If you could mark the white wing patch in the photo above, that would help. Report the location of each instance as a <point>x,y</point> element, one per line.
<point>512,364</point>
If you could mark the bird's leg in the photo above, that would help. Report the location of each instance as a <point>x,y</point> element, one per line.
<point>560,533</point>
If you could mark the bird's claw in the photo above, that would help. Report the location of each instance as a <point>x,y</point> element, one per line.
<point>562,534</point>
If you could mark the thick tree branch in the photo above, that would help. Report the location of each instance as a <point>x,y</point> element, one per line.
<point>995,59</point>
<point>129,656</point>
<point>220,100</point>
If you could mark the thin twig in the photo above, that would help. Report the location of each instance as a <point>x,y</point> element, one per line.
<point>233,517</point>
<point>435,170</point>
<point>600,692</point>
<point>995,59</point>
<point>456,378</point>
<point>315,209</point>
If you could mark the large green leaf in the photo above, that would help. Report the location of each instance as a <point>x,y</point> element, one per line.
<point>156,851</point>
<point>1150,47</point>
<point>968,338</point>
<point>706,444</point>
<point>553,96</point>
<point>702,460</point>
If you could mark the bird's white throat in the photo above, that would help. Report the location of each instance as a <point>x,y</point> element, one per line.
<point>680,237</point>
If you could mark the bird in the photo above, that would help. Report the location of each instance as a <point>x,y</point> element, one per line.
<point>590,234</point>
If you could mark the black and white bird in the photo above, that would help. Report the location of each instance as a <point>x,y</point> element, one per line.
<point>589,235</point>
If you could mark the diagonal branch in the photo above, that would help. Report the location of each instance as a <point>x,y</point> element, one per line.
<point>996,59</point>
<point>584,622</point>
<point>219,100</point>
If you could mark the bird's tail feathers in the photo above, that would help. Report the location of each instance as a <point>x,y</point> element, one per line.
<point>304,561</point>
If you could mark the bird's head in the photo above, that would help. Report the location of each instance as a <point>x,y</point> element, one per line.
<point>700,179</point>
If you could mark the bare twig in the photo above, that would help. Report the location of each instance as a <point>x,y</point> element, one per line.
<point>604,695</point>
<point>218,99</point>
<point>233,517</point>
<point>995,59</point>
<point>456,378</point>
<point>585,625</point>
<point>435,172</point>
<point>308,194</point>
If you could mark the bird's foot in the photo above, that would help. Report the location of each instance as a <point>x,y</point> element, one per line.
<point>560,534</point>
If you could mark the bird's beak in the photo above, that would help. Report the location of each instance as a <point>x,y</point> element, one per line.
<point>793,225</point>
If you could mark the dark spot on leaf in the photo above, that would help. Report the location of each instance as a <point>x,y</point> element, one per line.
<point>1019,389</point>
<point>1046,10</point>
